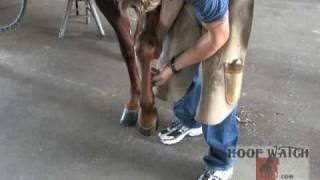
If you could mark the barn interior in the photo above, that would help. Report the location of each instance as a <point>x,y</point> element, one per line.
<point>61,99</point>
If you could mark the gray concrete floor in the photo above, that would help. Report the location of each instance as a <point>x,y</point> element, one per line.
<point>60,100</point>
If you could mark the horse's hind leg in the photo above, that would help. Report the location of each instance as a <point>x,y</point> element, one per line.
<point>121,25</point>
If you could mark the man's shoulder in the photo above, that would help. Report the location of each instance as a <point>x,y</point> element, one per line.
<point>210,10</point>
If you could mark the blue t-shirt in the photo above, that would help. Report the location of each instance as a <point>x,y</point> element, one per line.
<point>210,10</point>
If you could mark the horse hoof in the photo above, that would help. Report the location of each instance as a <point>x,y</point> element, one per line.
<point>149,131</point>
<point>129,117</point>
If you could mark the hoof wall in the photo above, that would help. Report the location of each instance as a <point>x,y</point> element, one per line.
<point>129,117</point>
<point>147,132</point>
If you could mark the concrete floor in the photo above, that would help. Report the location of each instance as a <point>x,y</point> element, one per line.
<point>60,100</point>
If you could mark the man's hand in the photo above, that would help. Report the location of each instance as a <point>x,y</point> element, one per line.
<point>161,77</point>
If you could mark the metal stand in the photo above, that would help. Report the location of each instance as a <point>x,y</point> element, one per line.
<point>90,9</point>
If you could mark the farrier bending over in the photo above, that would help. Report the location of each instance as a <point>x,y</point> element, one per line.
<point>213,15</point>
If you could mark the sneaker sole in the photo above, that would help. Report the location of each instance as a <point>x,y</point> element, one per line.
<point>196,132</point>
<point>173,141</point>
<point>192,133</point>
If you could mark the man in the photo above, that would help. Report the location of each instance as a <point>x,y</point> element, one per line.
<point>213,15</point>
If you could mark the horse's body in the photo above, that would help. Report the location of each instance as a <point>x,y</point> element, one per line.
<point>146,45</point>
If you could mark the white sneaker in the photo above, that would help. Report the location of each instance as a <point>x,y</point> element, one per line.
<point>174,125</point>
<point>177,132</point>
<point>217,175</point>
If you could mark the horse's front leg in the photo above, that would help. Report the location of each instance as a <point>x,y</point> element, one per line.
<point>148,49</point>
<point>121,25</point>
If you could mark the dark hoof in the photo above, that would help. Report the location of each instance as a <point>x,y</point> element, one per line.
<point>149,131</point>
<point>129,117</point>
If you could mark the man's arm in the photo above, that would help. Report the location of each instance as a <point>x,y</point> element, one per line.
<point>208,44</point>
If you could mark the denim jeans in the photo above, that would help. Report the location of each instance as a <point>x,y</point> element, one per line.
<point>219,137</point>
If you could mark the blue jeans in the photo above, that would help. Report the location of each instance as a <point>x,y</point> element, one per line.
<point>219,137</point>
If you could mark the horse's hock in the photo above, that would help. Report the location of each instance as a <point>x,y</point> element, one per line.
<point>221,74</point>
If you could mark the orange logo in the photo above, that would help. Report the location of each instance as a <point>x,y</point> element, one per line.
<point>267,168</point>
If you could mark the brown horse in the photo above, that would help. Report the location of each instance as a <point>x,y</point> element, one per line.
<point>141,48</point>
